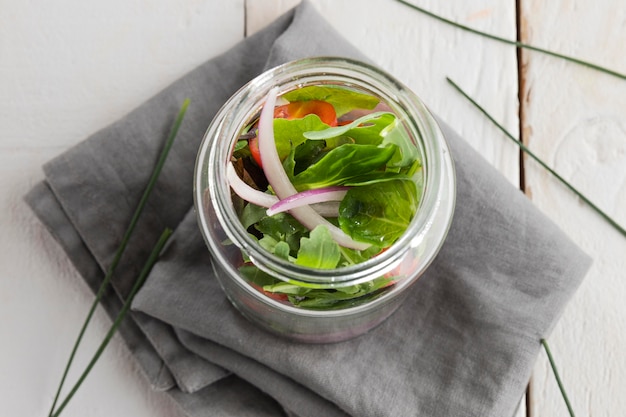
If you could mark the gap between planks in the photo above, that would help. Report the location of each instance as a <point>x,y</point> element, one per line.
<point>521,79</point>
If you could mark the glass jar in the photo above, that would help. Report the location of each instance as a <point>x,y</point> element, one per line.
<point>229,243</point>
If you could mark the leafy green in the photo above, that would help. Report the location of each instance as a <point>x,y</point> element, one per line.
<point>254,275</point>
<point>342,164</point>
<point>289,164</point>
<point>378,213</point>
<point>319,250</point>
<point>282,227</point>
<point>286,288</point>
<point>407,151</point>
<point>342,99</point>
<point>282,249</point>
<point>375,177</point>
<point>365,130</point>
<point>251,214</point>
<point>268,242</point>
<point>240,145</point>
<point>353,256</point>
<point>279,248</point>
<point>307,154</point>
<point>289,133</point>
<point>342,297</point>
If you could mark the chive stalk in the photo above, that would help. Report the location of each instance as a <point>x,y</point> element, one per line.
<point>152,259</point>
<point>515,43</point>
<point>557,377</point>
<point>524,148</point>
<point>120,250</point>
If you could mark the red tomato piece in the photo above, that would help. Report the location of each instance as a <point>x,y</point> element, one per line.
<point>298,109</point>
<point>253,144</point>
<point>273,295</point>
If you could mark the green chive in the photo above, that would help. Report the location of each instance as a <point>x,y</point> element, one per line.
<point>605,216</point>
<point>515,43</point>
<point>152,259</point>
<point>558,378</point>
<point>118,254</point>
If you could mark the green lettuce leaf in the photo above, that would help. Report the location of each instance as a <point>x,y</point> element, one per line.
<point>342,99</point>
<point>253,274</point>
<point>319,250</point>
<point>342,297</point>
<point>342,164</point>
<point>407,151</point>
<point>289,134</point>
<point>353,256</point>
<point>365,130</point>
<point>251,214</point>
<point>282,227</point>
<point>308,153</point>
<point>378,213</point>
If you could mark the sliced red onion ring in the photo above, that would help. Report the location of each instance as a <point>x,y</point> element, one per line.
<point>246,192</point>
<point>305,198</point>
<point>280,183</point>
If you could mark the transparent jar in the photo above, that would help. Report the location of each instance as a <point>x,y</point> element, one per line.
<point>230,244</point>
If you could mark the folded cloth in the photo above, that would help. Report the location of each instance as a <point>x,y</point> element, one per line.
<point>462,344</point>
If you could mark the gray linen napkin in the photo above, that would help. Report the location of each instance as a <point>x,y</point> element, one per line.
<point>463,343</point>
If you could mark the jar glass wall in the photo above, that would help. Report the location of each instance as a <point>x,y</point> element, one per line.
<point>231,246</point>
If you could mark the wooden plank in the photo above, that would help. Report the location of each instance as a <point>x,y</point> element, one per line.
<point>66,70</point>
<point>422,52</point>
<point>69,68</point>
<point>574,118</point>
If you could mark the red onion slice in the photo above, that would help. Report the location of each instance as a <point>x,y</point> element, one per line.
<point>305,198</point>
<point>246,192</point>
<point>280,183</point>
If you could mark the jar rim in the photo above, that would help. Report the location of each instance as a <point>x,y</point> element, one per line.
<point>211,162</point>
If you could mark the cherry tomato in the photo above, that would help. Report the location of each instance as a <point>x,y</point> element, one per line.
<point>253,144</point>
<point>273,295</point>
<point>299,109</point>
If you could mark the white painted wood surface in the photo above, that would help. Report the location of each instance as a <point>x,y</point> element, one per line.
<point>68,69</point>
<point>575,119</point>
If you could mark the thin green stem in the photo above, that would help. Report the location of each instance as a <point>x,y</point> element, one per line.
<point>120,250</point>
<point>154,256</point>
<point>557,377</point>
<point>516,43</point>
<point>605,216</point>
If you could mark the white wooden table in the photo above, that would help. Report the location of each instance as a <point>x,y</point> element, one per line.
<point>68,68</point>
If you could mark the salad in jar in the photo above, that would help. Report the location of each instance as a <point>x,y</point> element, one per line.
<point>324,177</point>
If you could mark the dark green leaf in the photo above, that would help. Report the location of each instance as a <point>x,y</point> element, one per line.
<point>307,154</point>
<point>251,214</point>
<point>342,164</point>
<point>282,227</point>
<point>289,164</point>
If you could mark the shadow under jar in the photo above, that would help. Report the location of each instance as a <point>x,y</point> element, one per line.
<point>361,295</point>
